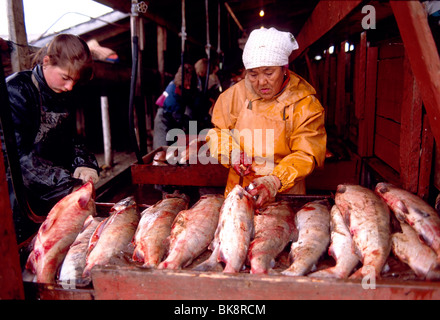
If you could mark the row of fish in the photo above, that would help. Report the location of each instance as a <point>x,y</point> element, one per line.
<point>361,230</point>
<point>356,230</point>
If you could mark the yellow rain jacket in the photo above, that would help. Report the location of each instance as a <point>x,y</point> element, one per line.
<point>285,136</point>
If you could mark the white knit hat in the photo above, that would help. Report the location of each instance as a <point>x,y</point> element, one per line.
<point>268,48</point>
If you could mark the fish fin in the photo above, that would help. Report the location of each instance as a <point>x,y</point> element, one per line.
<point>95,236</point>
<point>422,213</point>
<point>402,207</point>
<point>30,263</point>
<point>230,269</point>
<point>85,198</point>
<point>324,273</point>
<point>211,263</point>
<point>138,255</point>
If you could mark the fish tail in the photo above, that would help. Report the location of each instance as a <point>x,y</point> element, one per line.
<point>326,273</point>
<point>211,263</point>
<point>168,265</point>
<point>138,255</point>
<point>229,268</point>
<point>30,264</point>
<point>207,265</point>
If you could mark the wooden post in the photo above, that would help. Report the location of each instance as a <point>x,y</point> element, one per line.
<point>17,33</point>
<point>11,283</point>
<point>365,100</point>
<point>312,78</point>
<point>425,160</point>
<point>325,85</point>
<point>161,48</point>
<point>423,56</point>
<point>410,130</point>
<point>340,119</point>
<point>106,132</point>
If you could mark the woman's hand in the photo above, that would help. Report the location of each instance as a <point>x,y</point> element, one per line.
<point>265,189</point>
<point>241,162</point>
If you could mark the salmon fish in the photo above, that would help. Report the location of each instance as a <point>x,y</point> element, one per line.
<point>151,237</point>
<point>75,261</point>
<point>368,219</point>
<point>192,231</point>
<point>409,208</point>
<point>313,223</point>
<point>342,249</point>
<point>233,234</point>
<point>115,234</point>
<point>274,228</point>
<point>407,246</point>
<point>61,227</point>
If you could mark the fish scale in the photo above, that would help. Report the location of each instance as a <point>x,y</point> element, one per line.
<point>115,235</point>
<point>151,237</point>
<point>233,234</point>
<point>313,223</point>
<point>192,231</point>
<point>274,228</point>
<point>342,249</point>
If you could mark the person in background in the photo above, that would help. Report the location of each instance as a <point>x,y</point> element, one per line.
<point>206,93</point>
<point>268,128</point>
<point>53,160</point>
<point>174,106</point>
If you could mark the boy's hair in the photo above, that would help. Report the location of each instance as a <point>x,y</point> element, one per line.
<point>69,52</point>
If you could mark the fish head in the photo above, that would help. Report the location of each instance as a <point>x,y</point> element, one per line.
<point>383,187</point>
<point>341,188</point>
<point>123,204</point>
<point>86,193</point>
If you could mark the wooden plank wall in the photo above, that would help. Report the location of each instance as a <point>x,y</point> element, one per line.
<point>372,101</point>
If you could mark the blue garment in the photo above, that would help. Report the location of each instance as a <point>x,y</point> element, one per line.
<point>173,102</point>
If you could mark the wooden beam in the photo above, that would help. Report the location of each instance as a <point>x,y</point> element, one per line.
<point>17,33</point>
<point>423,56</point>
<point>323,18</point>
<point>427,149</point>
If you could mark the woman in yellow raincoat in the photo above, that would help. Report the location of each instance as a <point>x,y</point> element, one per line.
<point>268,128</point>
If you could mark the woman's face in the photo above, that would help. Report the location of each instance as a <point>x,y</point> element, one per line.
<point>57,78</point>
<point>266,81</point>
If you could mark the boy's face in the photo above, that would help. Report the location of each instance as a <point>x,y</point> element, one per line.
<point>57,78</point>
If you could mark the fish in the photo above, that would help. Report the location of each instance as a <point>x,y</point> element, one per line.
<point>234,232</point>
<point>407,246</point>
<point>58,231</point>
<point>192,232</point>
<point>313,223</point>
<point>274,229</point>
<point>113,235</point>
<point>413,210</point>
<point>74,263</point>
<point>368,219</point>
<point>151,237</point>
<point>342,249</point>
